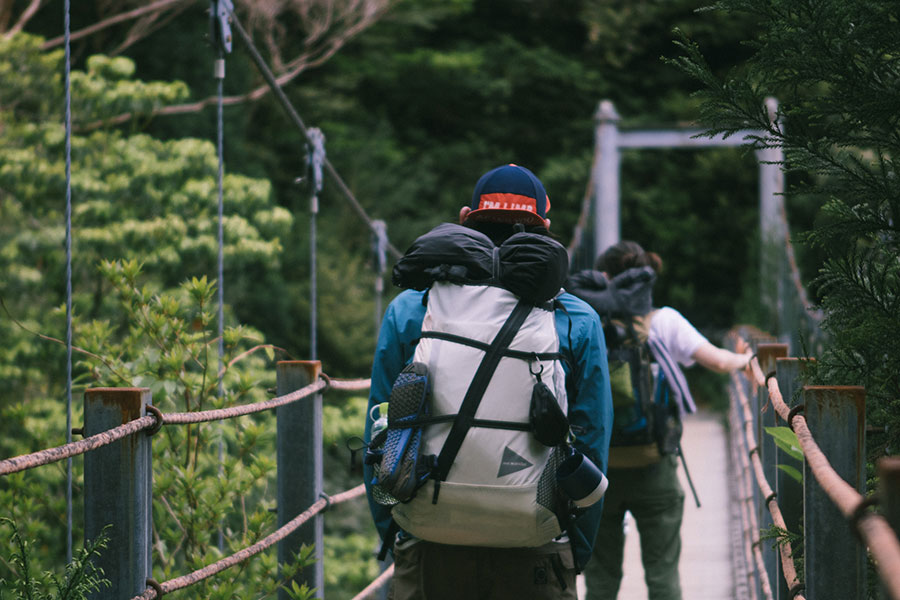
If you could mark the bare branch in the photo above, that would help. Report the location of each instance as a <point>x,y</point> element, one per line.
<point>48,338</point>
<point>23,18</point>
<point>296,66</point>
<point>146,26</point>
<point>155,7</point>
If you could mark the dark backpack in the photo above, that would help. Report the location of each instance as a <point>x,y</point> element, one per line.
<point>642,412</point>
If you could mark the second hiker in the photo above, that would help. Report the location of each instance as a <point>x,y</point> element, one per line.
<point>647,348</point>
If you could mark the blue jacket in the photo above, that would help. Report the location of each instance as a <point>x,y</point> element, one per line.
<point>587,387</point>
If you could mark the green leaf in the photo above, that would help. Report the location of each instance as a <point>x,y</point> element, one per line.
<point>793,472</point>
<point>787,441</point>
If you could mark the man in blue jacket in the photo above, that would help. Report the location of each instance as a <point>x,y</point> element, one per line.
<point>504,197</point>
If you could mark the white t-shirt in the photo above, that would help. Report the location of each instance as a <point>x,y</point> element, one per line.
<point>676,333</point>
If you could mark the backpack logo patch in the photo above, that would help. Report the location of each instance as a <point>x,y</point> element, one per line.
<point>511,463</point>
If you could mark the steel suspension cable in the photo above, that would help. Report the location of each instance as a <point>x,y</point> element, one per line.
<point>220,180</point>
<point>295,117</point>
<point>68,119</point>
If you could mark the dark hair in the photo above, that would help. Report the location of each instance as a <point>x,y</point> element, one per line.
<point>625,255</point>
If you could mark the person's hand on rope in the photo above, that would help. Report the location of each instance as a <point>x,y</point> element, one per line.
<point>742,347</point>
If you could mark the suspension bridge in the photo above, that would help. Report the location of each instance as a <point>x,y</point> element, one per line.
<point>734,460</point>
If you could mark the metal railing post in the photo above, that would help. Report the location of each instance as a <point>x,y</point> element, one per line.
<point>790,492</point>
<point>767,355</point>
<point>299,451</point>
<point>835,560</point>
<point>118,484</point>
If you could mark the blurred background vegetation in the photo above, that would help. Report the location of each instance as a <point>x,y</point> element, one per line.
<point>416,99</point>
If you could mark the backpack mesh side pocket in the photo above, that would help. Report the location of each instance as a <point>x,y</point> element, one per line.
<point>403,470</point>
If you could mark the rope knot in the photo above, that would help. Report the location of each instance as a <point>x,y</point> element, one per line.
<point>793,413</point>
<point>155,586</point>
<point>159,419</point>
<point>326,379</point>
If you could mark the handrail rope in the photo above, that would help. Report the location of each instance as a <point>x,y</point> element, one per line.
<point>218,414</point>
<point>873,528</point>
<point>743,497</point>
<point>241,555</point>
<point>752,539</point>
<point>349,385</point>
<point>184,418</point>
<point>744,587</point>
<point>787,563</point>
<point>376,584</point>
<point>295,117</point>
<point>44,457</point>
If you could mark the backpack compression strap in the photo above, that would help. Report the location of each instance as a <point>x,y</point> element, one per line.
<point>466,416</point>
<point>520,354</point>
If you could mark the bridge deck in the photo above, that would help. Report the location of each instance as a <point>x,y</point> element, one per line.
<point>706,561</point>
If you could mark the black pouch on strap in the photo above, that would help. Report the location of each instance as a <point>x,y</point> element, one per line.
<point>548,422</point>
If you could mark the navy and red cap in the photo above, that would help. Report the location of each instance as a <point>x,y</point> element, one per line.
<point>510,194</point>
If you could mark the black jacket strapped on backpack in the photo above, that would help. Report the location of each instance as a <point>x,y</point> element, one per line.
<point>530,265</point>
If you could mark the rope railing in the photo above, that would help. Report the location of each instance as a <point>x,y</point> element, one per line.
<point>154,589</point>
<point>378,583</point>
<point>873,529</point>
<point>51,455</point>
<point>744,498</point>
<point>153,421</point>
<point>750,458</point>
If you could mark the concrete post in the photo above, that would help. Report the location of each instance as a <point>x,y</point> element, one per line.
<point>835,560</point>
<point>790,492</point>
<point>299,452</point>
<point>606,178</point>
<point>118,483</point>
<point>767,354</point>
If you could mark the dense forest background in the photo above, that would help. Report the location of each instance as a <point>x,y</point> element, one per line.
<point>416,99</point>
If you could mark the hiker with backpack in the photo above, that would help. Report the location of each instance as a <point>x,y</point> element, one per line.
<point>647,348</point>
<point>486,477</point>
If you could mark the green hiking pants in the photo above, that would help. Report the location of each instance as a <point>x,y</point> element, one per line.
<point>655,498</point>
<point>428,571</point>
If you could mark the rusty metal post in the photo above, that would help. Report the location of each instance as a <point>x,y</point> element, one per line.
<point>118,483</point>
<point>788,373</point>
<point>767,354</point>
<point>835,560</point>
<point>299,451</point>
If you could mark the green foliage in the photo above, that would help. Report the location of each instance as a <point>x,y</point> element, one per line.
<point>81,577</point>
<point>781,537</point>
<point>833,65</point>
<point>787,442</point>
<point>169,345</point>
